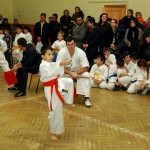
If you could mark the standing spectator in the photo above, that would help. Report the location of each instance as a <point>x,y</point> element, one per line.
<point>127,19</point>
<point>16,23</point>
<point>146,45</point>
<point>79,31</point>
<point>54,28</point>
<point>41,30</point>
<point>91,41</point>
<point>118,36</point>
<point>78,11</point>
<point>5,24</point>
<point>133,37</point>
<point>49,19</point>
<point>65,22</point>
<point>106,33</point>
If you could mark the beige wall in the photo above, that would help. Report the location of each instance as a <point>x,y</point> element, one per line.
<point>28,11</point>
<point>6,9</point>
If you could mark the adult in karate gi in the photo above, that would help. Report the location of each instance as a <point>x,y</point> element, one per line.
<point>78,68</point>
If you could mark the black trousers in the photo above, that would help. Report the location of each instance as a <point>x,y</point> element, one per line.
<point>22,76</point>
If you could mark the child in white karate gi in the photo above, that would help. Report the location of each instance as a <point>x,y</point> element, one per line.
<point>3,63</point>
<point>140,77</point>
<point>112,68</point>
<point>16,51</point>
<point>99,72</point>
<point>58,44</point>
<point>121,75</point>
<point>57,90</point>
<point>28,36</point>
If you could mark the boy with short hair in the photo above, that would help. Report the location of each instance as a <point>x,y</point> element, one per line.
<point>110,62</point>
<point>57,90</point>
<point>16,51</point>
<point>99,72</point>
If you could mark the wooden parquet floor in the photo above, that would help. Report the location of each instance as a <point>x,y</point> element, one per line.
<point>116,121</point>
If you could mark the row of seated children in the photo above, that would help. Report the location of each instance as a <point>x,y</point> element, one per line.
<point>126,73</point>
<point>13,52</point>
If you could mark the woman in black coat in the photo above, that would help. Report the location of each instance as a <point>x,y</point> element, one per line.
<point>106,33</point>
<point>91,41</point>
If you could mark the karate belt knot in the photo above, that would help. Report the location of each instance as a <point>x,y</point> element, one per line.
<point>51,84</point>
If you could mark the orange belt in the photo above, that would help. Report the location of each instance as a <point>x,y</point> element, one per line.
<point>53,83</point>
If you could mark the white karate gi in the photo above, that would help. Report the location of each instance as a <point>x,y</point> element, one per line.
<point>1,36</point>
<point>17,53</point>
<point>79,60</point>
<point>139,75</point>
<point>112,58</point>
<point>28,37</point>
<point>112,76</point>
<point>39,45</point>
<point>129,65</point>
<point>123,80</point>
<point>3,62</point>
<point>48,72</point>
<point>102,72</point>
<point>59,44</point>
<point>112,70</point>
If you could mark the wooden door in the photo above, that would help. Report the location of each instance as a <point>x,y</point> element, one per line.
<point>115,11</point>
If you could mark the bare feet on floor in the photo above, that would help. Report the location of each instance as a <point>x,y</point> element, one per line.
<point>72,105</point>
<point>54,137</point>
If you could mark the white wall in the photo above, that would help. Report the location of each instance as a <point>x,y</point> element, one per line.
<point>6,9</point>
<point>28,11</point>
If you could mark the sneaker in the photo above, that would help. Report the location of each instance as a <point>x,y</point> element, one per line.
<point>13,88</point>
<point>87,102</point>
<point>19,94</point>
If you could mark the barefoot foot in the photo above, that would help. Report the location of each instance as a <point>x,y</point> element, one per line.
<point>54,137</point>
<point>72,105</point>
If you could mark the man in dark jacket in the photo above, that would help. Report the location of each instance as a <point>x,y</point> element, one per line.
<point>54,28</point>
<point>41,30</point>
<point>29,64</point>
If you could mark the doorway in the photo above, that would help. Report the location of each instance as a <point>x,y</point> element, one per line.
<point>115,11</point>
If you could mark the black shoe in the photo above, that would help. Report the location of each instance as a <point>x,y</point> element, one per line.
<point>19,94</point>
<point>116,88</point>
<point>13,88</point>
<point>123,88</point>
